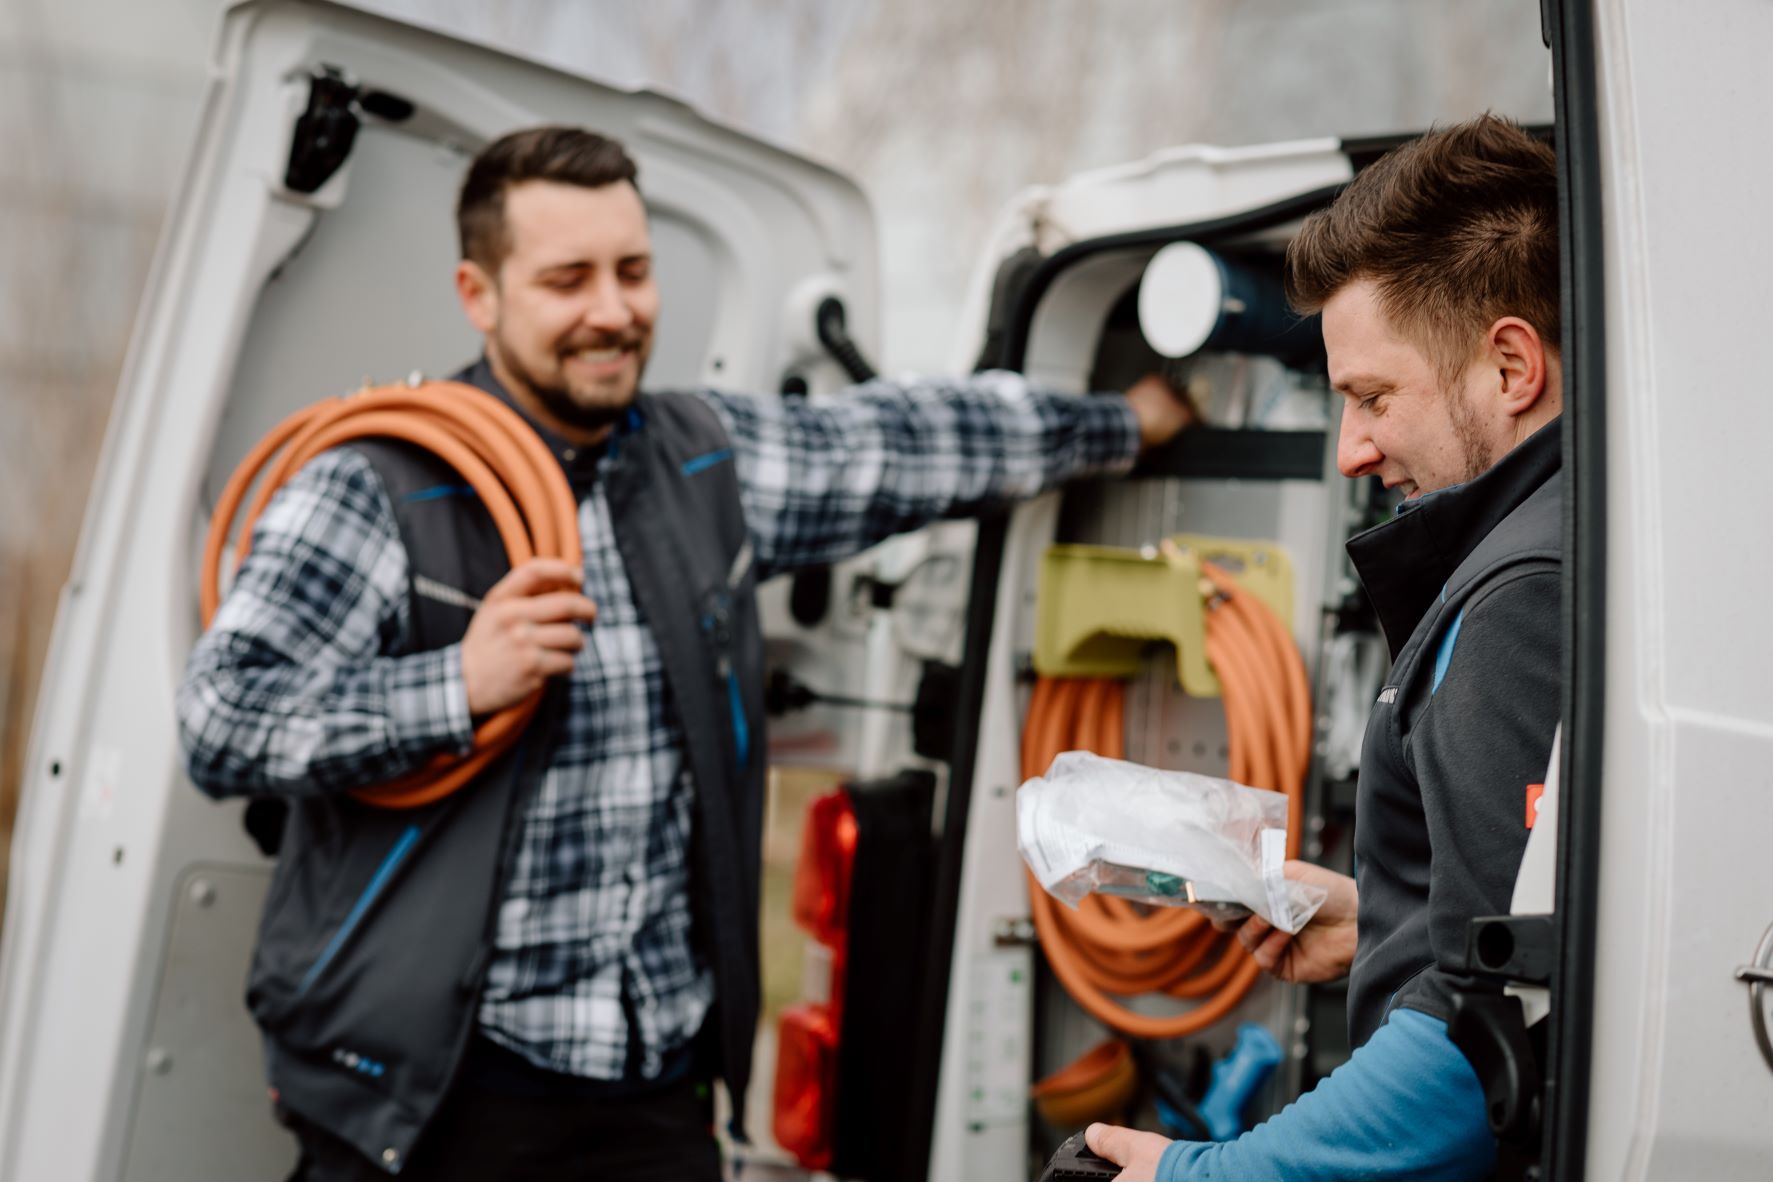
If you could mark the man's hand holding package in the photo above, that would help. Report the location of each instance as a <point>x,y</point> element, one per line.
<point>1323,950</point>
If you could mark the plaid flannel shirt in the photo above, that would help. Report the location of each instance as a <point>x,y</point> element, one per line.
<point>304,683</point>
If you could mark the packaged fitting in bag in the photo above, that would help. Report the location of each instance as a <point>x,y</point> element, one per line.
<point>1160,837</point>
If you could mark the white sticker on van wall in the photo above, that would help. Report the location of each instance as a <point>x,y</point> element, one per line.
<point>98,791</point>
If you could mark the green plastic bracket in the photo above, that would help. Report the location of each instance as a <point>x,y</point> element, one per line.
<point>1101,606</point>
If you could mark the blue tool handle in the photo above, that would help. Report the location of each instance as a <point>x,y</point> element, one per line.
<point>1236,1078</point>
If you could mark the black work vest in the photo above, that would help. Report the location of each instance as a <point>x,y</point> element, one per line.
<point>378,927</point>
<point>1421,571</point>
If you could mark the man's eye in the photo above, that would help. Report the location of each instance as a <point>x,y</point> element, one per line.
<point>636,275</point>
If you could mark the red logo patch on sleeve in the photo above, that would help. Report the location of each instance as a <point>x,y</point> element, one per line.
<point>1534,792</point>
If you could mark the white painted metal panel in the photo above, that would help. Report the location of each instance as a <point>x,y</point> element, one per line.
<point>1678,1088</point>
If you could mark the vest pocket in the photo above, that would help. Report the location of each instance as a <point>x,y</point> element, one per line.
<point>378,882</point>
<point>321,909</point>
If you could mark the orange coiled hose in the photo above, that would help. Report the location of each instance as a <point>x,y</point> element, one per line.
<point>497,453</point>
<point>1109,947</point>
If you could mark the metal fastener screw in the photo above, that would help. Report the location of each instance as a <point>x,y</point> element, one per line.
<point>202,892</point>
<point>159,1062</point>
<point>390,1156</point>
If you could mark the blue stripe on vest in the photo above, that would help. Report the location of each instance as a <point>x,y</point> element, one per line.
<point>408,838</point>
<point>1444,656</point>
<point>439,491</point>
<point>704,462</point>
<point>741,728</point>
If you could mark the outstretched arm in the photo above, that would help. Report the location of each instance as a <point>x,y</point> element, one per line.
<point>822,481</point>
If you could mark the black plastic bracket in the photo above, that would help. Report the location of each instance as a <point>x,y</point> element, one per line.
<point>324,132</point>
<point>1490,1029</point>
<point>1518,948</point>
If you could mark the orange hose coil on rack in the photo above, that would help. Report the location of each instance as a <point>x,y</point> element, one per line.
<point>1107,946</point>
<point>497,453</point>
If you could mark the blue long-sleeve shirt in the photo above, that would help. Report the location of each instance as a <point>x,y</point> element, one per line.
<point>1407,1104</point>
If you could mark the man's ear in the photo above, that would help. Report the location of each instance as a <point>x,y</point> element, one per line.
<point>479,293</point>
<point>1519,356</point>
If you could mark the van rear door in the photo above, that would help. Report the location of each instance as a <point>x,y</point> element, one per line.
<point>309,250</point>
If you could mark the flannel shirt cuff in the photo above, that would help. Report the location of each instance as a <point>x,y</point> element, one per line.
<point>428,702</point>
<point>1113,432</point>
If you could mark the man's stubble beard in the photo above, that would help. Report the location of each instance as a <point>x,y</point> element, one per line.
<point>558,400</point>
<point>1468,429</point>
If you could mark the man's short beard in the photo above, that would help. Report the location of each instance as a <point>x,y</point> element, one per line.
<point>562,406</point>
<point>557,400</point>
<point>1469,430</point>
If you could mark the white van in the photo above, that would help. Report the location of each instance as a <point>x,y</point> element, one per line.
<point>309,250</point>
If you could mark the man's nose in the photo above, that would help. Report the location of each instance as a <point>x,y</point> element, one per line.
<point>1356,453</point>
<point>608,307</point>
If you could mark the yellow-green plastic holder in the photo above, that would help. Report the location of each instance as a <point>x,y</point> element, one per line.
<point>1101,606</point>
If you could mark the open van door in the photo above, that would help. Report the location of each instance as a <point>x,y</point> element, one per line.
<point>1660,1064</point>
<point>309,251</point>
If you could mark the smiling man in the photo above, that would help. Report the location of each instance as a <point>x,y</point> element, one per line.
<point>539,976</point>
<point>1437,275</point>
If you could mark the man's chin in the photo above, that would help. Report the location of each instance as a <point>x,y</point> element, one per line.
<point>588,410</point>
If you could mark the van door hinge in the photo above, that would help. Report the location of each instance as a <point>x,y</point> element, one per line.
<point>1489,1027</point>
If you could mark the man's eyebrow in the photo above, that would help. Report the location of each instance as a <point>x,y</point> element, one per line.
<point>1361,381</point>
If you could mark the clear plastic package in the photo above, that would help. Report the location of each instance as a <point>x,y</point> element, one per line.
<point>1160,837</point>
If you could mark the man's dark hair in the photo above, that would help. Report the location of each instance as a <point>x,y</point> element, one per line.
<point>1456,230</point>
<point>566,155</point>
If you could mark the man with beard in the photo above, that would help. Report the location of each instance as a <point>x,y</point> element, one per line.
<point>1436,271</point>
<point>561,1012</point>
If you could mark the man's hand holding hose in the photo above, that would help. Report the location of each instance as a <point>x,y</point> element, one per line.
<point>525,631</point>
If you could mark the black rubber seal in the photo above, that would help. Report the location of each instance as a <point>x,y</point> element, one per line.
<point>1571,1033</point>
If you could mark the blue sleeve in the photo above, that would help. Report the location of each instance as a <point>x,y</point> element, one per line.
<point>1407,1104</point>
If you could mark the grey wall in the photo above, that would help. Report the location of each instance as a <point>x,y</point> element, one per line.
<point>942,109</point>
